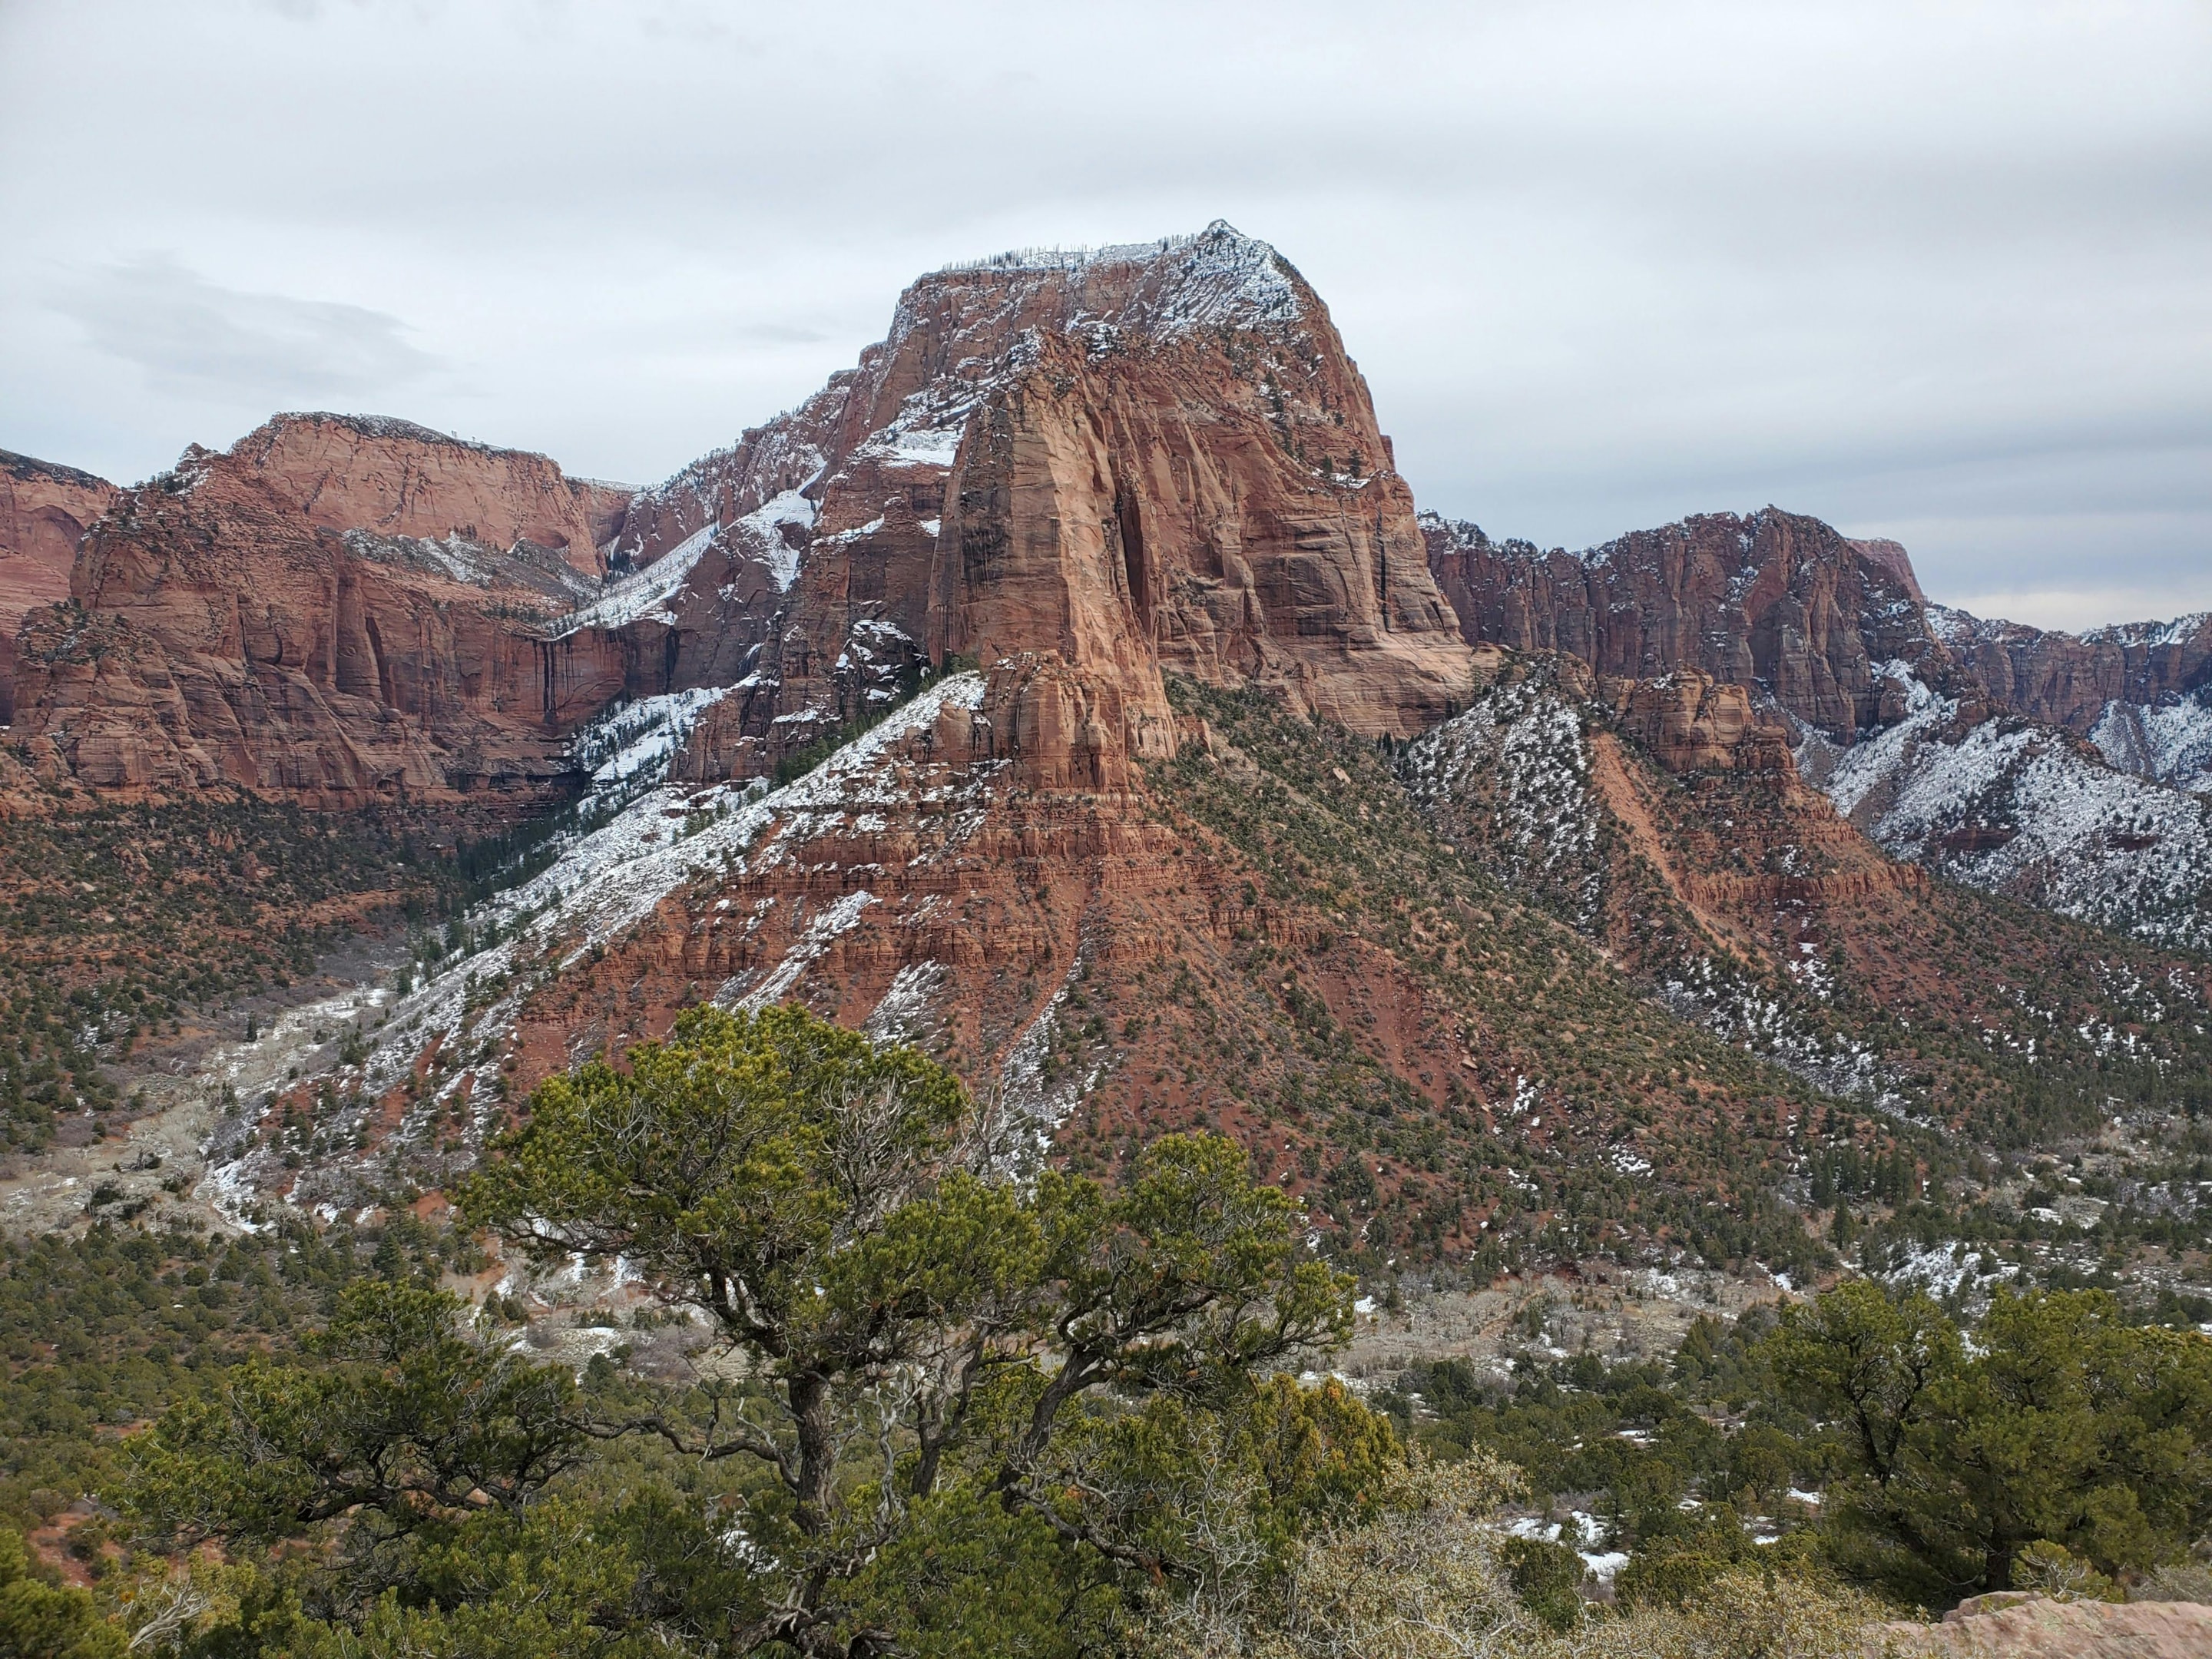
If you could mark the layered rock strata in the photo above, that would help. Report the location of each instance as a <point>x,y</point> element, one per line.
<point>341,611</point>
<point>1136,459</point>
<point>44,510</point>
<point>1998,755</point>
<point>1773,599</point>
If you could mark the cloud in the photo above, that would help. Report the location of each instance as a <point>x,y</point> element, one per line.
<point>193,337</point>
<point>1603,264</point>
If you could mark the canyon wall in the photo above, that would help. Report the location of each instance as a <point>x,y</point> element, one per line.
<point>44,510</point>
<point>1772,598</point>
<point>1141,458</point>
<point>344,611</point>
<point>2071,679</point>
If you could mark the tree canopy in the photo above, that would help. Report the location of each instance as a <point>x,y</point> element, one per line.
<point>2061,1423</point>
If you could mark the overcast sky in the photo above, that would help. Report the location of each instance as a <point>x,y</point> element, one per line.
<point>1937,271</point>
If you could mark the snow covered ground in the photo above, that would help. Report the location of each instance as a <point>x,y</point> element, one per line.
<point>2016,808</point>
<point>2169,742</point>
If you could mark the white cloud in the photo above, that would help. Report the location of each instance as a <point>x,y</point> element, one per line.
<point>192,337</point>
<point>1603,264</point>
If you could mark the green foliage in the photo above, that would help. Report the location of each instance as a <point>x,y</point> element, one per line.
<point>42,1620</point>
<point>124,922</point>
<point>2062,1424</point>
<point>102,1331</point>
<point>924,1334</point>
<point>409,1415</point>
<point>1547,1578</point>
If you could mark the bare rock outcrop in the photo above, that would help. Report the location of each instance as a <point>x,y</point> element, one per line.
<point>1128,461</point>
<point>2070,679</point>
<point>1691,722</point>
<point>2141,691</point>
<point>44,510</point>
<point>1138,458</point>
<point>2038,1627</point>
<point>341,611</point>
<point>1773,599</point>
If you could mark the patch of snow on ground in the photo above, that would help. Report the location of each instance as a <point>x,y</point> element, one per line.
<point>1043,1106</point>
<point>2013,807</point>
<point>1519,754</point>
<point>635,739</point>
<point>2167,742</point>
<point>760,534</point>
<point>1601,1563</point>
<point>607,881</point>
<point>840,916</point>
<point>905,1011</point>
<point>647,594</point>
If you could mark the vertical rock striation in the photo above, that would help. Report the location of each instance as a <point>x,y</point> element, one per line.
<point>343,611</point>
<point>44,510</point>
<point>1133,459</point>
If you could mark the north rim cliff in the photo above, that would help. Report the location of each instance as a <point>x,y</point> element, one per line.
<point>2055,767</point>
<point>340,611</point>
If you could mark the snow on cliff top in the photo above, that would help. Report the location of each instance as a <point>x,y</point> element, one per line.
<point>2150,636</point>
<point>1218,278</point>
<point>387,427</point>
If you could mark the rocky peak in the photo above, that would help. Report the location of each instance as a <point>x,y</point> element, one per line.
<point>1137,457</point>
<point>338,609</point>
<point>394,477</point>
<point>1691,722</point>
<point>1771,599</point>
<point>1890,557</point>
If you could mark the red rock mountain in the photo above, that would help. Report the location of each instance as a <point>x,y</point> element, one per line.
<point>2039,765</point>
<point>2074,680</point>
<point>44,512</point>
<point>1113,463</point>
<point>1774,599</point>
<point>1824,623</point>
<point>1136,459</point>
<point>339,609</point>
<point>1130,515</point>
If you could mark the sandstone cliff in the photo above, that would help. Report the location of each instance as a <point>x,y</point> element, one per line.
<point>2137,690</point>
<point>1834,631</point>
<point>1137,458</point>
<point>44,512</point>
<point>1996,754</point>
<point>339,610</point>
<point>1128,461</point>
<point>1774,599</point>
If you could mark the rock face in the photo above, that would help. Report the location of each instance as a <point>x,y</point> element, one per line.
<point>44,512</point>
<point>1137,458</point>
<point>2070,679</point>
<point>1996,754</point>
<point>2037,1627</point>
<point>1774,599</point>
<point>1122,462</point>
<point>1691,722</point>
<point>2139,691</point>
<point>342,610</point>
